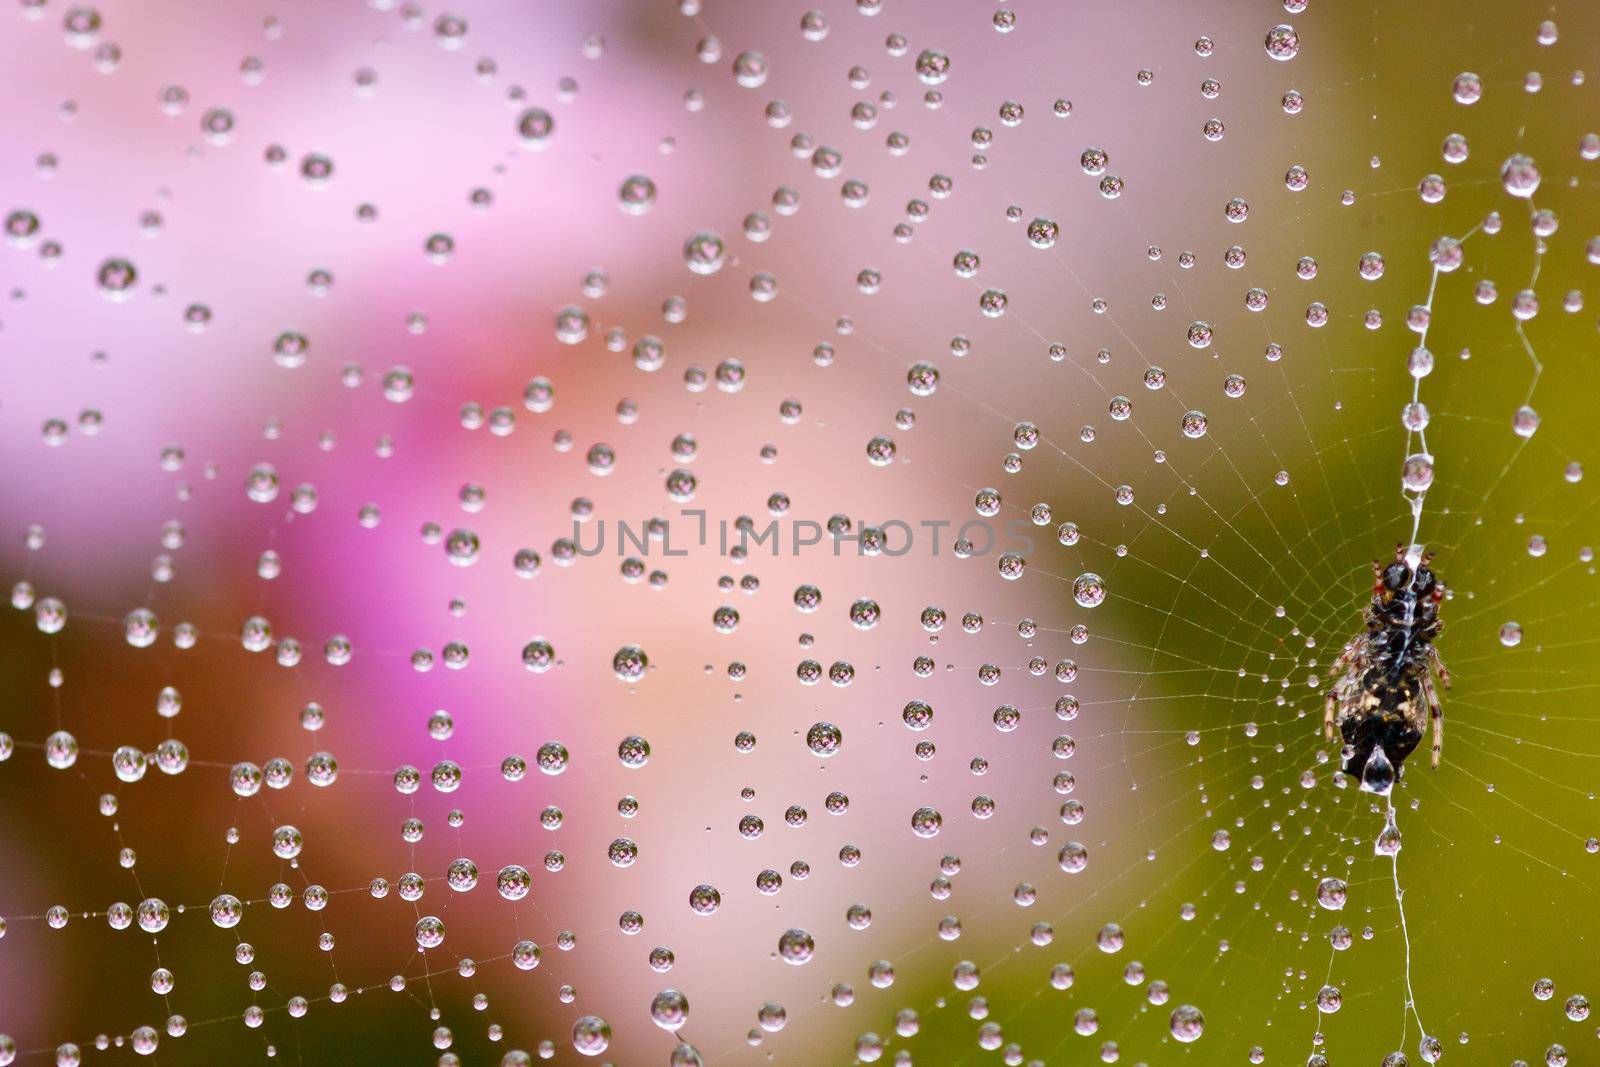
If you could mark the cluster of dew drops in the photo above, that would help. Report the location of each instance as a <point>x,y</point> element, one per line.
<point>118,279</point>
<point>704,252</point>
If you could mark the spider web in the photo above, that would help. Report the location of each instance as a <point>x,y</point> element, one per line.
<point>1235,563</point>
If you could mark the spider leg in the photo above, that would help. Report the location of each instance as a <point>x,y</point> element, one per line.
<point>1436,714</point>
<point>1438,666</point>
<point>1330,704</point>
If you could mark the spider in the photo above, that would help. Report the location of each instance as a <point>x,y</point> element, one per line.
<point>1384,678</point>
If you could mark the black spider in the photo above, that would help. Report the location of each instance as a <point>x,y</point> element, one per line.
<point>1382,697</point>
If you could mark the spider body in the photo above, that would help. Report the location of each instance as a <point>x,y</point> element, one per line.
<point>1383,698</point>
